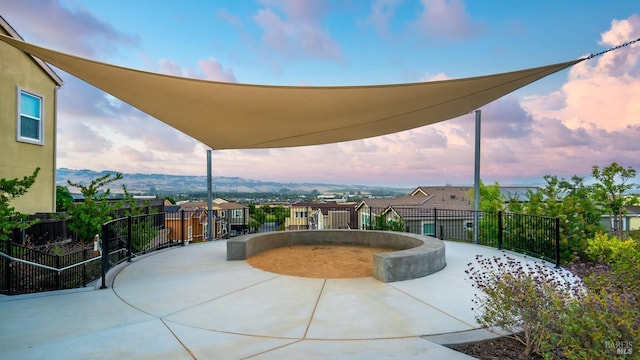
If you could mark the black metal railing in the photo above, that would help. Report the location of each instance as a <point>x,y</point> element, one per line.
<point>26,270</point>
<point>126,237</point>
<point>537,236</point>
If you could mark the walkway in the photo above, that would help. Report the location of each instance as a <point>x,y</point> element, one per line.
<point>190,303</point>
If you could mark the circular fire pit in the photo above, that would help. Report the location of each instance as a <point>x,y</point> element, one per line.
<point>417,255</point>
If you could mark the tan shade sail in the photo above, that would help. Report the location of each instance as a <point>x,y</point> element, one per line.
<point>239,116</point>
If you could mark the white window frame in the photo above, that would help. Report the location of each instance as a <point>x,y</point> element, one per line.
<point>236,213</point>
<point>19,116</point>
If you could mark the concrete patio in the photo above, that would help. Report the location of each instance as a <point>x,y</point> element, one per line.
<point>191,303</point>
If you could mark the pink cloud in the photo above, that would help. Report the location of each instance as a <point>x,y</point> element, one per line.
<point>604,91</point>
<point>226,16</point>
<point>135,155</point>
<point>298,31</point>
<point>78,32</point>
<point>446,19</point>
<point>208,69</point>
<point>381,12</point>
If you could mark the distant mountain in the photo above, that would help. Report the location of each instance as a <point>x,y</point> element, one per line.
<point>161,183</point>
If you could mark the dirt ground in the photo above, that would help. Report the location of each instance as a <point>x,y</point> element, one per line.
<point>318,261</point>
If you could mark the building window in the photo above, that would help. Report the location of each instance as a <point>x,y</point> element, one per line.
<point>428,229</point>
<point>301,214</point>
<point>30,122</point>
<point>236,213</point>
<point>365,221</point>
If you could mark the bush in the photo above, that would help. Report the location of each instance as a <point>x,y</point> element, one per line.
<point>609,249</point>
<point>557,315</point>
<point>521,298</point>
<point>606,322</point>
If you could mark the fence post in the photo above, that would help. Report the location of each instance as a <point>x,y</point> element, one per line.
<point>557,243</point>
<point>57,281</point>
<point>7,267</point>
<point>500,229</point>
<point>84,268</point>
<point>182,226</point>
<point>370,219</point>
<point>105,255</point>
<point>129,242</point>
<point>435,223</point>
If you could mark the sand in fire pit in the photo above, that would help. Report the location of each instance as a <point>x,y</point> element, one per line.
<point>318,261</point>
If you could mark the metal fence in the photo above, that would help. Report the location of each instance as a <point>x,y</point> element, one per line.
<point>23,269</point>
<point>536,236</point>
<point>124,238</point>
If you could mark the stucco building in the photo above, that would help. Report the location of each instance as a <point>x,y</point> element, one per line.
<point>28,95</point>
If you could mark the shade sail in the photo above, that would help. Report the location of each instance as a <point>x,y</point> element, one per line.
<point>240,116</point>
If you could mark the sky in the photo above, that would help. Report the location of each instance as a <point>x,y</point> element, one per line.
<point>561,125</point>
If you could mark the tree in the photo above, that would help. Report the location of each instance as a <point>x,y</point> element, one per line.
<point>491,201</point>
<point>572,202</point>
<point>491,198</point>
<point>393,223</point>
<point>613,183</point>
<point>10,218</point>
<point>87,217</point>
<point>64,200</point>
<point>142,228</point>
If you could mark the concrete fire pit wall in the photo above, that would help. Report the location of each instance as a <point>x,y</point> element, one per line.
<point>417,255</point>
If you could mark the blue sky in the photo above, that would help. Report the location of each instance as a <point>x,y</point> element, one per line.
<point>562,125</point>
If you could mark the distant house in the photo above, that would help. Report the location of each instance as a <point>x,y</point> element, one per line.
<point>420,210</point>
<point>191,220</point>
<point>28,96</point>
<point>630,220</point>
<point>321,215</point>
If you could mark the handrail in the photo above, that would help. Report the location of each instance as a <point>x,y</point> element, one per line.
<point>28,262</point>
<point>6,256</point>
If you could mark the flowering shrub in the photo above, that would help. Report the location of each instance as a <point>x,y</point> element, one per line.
<point>608,314</point>
<point>557,315</point>
<point>523,299</point>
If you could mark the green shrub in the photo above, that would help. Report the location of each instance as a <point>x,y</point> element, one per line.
<point>609,249</point>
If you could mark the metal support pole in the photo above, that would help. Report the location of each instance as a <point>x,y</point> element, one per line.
<point>209,199</point>
<point>476,180</point>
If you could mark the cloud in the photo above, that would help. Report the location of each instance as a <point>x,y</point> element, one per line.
<point>505,118</point>
<point>298,30</point>
<point>552,133</point>
<point>446,19</point>
<point>381,13</point>
<point>434,77</point>
<point>82,138</point>
<point>71,30</point>
<point>603,91</point>
<point>131,154</point>
<point>226,16</point>
<point>209,69</point>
